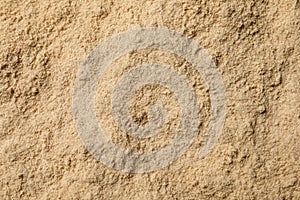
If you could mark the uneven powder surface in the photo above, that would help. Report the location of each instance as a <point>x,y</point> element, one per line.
<point>256,47</point>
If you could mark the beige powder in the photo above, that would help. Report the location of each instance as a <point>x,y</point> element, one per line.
<point>256,46</point>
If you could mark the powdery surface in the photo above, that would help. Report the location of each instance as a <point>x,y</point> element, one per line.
<point>256,46</point>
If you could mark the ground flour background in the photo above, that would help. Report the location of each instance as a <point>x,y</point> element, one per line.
<point>256,46</point>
